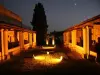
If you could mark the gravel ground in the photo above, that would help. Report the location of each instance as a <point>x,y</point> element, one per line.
<point>72,63</point>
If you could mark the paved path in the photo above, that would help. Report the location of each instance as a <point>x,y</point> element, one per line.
<point>72,63</point>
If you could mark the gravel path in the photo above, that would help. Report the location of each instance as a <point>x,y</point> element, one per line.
<point>72,63</point>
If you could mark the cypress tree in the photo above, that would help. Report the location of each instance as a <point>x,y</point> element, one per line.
<point>39,23</point>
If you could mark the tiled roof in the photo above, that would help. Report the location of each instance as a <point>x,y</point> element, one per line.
<point>9,20</point>
<point>82,23</point>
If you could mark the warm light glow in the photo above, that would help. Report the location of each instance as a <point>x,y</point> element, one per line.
<point>93,53</point>
<point>47,42</point>
<point>48,47</point>
<point>57,60</point>
<point>48,59</point>
<point>39,57</point>
<point>61,57</point>
<point>47,52</point>
<point>53,42</point>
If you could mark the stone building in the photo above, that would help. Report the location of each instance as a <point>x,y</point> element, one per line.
<point>83,37</point>
<point>13,37</point>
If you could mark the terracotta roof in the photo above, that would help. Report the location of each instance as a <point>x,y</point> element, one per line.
<point>9,13</point>
<point>9,20</point>
<point>82,23</point>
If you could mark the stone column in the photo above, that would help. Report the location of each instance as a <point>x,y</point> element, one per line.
<point>34,38</point>
<point>30,39</point>
<point>74,37</point>
<point>17,36</point>
<point>88,52</point>
<point>21,40</point>
<point>2,44</point>
<point>5,36</point>
<point>86,41</point>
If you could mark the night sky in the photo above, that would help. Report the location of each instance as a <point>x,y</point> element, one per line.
<point>61,14</point>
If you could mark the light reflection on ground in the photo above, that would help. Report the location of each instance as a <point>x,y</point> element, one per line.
<point>71,63</point>
<point>38,62</point>
<point>48,59</point>
<point>48,47</point>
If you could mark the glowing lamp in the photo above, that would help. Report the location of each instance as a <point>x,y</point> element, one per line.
<point>46,41</point>
<point>48,53</point>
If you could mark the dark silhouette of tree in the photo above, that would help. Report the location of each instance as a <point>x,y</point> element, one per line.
<point>58,37</point>
<point>39,23</point>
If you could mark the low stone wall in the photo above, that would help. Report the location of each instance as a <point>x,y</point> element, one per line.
<point>26,46</point>
<point>80,50</point>
<point>77,49</point>
<point>14,51</point>
<point>33,44</point>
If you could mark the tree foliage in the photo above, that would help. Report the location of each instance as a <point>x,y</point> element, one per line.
<point>39,23</point>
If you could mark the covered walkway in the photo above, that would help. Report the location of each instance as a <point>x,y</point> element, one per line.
<point>83,37</point>
<point>13,37</point>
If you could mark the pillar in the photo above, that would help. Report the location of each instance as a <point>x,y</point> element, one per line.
<point>21,40</point>
<point>17,35</point>
<point>30,39</point>
<point>34,39</point>
<point>88,52</point>
<point>2,44</point>
<point>73,37</point>
<point>86,41</point>
<point>5,36</point>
